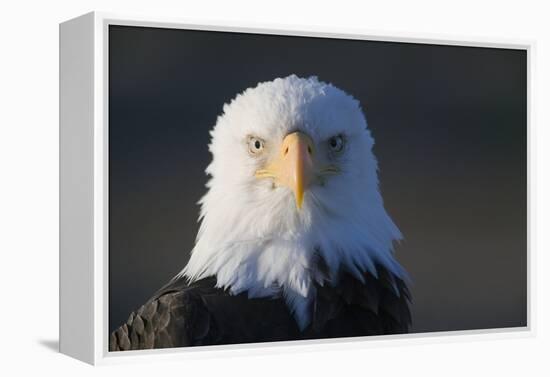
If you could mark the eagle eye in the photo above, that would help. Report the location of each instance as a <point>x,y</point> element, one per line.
<point>336,143</point>
<point>255,145</point>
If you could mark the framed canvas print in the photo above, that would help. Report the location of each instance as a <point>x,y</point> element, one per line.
<point>228,188</point>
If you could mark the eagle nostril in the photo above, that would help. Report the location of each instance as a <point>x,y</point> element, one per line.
<point>285,152</point>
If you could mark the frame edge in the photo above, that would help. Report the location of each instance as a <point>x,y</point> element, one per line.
<point>76,194</point>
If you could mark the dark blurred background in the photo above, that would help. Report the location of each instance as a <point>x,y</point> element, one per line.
<point>450,130</point>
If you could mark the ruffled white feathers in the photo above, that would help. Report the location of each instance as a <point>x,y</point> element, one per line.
<point>252,237</point>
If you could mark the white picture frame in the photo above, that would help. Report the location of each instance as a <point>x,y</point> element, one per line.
<point>84,191</point>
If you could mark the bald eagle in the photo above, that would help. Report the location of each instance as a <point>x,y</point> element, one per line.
<point>294,241</point>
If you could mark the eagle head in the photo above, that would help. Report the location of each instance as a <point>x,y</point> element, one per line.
<point>293,195</point>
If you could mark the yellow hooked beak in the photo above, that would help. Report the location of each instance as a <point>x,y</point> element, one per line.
<point>293,166</point>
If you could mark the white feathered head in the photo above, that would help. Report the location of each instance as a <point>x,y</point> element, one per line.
<point>293,180</point>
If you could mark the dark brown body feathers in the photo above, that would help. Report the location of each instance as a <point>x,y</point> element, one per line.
<point>182,314</point>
